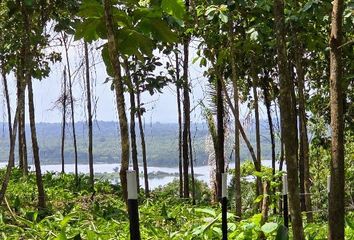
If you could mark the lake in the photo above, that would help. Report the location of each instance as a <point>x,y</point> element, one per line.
<point>202,172</point>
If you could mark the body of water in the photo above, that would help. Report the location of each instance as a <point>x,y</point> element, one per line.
<point>202,172</point>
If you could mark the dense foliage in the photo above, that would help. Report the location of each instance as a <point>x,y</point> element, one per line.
<point>74,213</point>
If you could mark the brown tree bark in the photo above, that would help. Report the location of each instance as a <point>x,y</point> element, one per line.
<point>28,78</point>
<point>337,195</point>
<point>220,157</point>
<point>89,117</point>
<point>288,120</point>
<point>186,120</point>
<point>304,165</point>
<point>118,85</point>
<point>35,148</point>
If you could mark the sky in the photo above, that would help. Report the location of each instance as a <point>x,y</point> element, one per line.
<point>160,107</point>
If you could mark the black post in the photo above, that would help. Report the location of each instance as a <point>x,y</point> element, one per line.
<point>133,206</point>
<point>224,206</point>
<point>285,201</point>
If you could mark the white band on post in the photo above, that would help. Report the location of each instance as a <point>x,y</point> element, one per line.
<point>329,184</point>
<point>132,185</point>
<point>285,184</point>
<point>223,185</point>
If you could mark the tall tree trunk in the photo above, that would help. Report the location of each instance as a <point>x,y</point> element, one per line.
<point>266,87</point>
<point>178,90</point>
<point>8,105</point>
<point>220,158</point>
<point>71,97</point>
<point>119,90</point>
<point>21,86</point>
<point>186,114</point>
<point>28,78</point>
<point>89,117</point>
<point>288,121</point>
<point>63,123</point>
<point>255,82</point>
<point>192,167</point>
<point>10,165</point>
<point>304,166</point>
<point>268,104</point>
<point>142,137</point>
<point>133,111</point>
<point>234,78</point>
<point>336,198</point>
<point>35,148</point>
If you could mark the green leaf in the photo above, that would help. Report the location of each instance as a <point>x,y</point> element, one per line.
<point>107,60</point>
<point>90,9</point>
<point>174,8</point>
<point>208,211</point>
<point>349,222</point>
<point>282,233</point>
<point>223,17</point>
<point>61,236</point>
<point>268,228</point>
<point>258,199</point>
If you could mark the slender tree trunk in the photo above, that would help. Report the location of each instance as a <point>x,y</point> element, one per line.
<point>265,202</point>
<point>63,123</point>
<point>267,102</point>
<point>133,111</point>
<point>119,90</point>
<point>41,193</point>
<point>239,126</point>
<point>180,164</point>
<point>8,106</point>
<point>304,166</point>
<point>28,78</point>
<point>336,198</point>
<point>143,145</point>
<point>22,146</point>
<point>89,117</point>
<point>255,82</point>
<point>288,121</point>
<point>10,165</point>
<point>192,167</point>
<point>220,158</point>
<point>186,114</point>
<point>238,194</point>
<point>71,106</point>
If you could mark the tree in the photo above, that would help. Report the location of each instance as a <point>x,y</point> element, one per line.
<point>89,115</point>
<point>118,86</point>
<point>288,120</point>
<point>71,98</point>
<point>336,197</point>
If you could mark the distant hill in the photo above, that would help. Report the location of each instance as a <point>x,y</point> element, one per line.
<point>161,142</point>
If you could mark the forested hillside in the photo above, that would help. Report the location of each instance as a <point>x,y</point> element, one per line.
<point>160,138</point>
